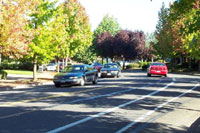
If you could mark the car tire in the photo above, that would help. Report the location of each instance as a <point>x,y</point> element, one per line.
<point>82,82</point>
<point>165,75</point>
<point>118,75</point>
<point>148,74</point>
<point>57,85</point>
<point>95,80</point>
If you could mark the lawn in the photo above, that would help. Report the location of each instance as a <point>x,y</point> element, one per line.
<point>23,72</point>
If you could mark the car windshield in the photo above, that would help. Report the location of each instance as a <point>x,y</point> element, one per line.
<point>97,64</point>
<point>73,69</point>
<point>110,66</point>
<point>51,64</point>
<point>158,64</point>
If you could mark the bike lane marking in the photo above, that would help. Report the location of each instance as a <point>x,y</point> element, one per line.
<point>79,100</point>
<point>155,109</point>
<point>108,110</point>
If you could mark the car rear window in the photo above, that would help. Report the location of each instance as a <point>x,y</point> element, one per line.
<point>157,64</point>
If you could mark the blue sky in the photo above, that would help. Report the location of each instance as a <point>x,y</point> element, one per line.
<point>131,14</point>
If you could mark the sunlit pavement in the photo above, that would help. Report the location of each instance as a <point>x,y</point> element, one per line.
<point>131,103</point>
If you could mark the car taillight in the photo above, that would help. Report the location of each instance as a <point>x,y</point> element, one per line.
<point>164,68</point>
<point>152,68</point>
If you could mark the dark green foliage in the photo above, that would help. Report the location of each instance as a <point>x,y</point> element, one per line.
<point>131,66</point>
<point>3,74</point>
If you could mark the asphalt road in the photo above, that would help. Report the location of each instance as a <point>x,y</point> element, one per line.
<point>131,103</point>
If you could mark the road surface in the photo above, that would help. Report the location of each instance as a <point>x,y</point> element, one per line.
<point>131,103</point>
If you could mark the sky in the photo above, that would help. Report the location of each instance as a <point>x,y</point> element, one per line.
<point>130,14</point>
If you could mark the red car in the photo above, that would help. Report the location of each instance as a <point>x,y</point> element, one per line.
<point>157,68</point>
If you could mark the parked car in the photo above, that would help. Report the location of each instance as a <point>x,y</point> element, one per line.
<point>51,67</point>
<point>97,66</point>
<point>157,68</point>
<point>110,70</point>
<point>76,74</point>
<point>61,66</point>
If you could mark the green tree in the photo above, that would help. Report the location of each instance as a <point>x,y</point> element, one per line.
<point>78,28</point>
<point>163,34</point>
<point>87,56</point>
<point>40,49</point>
<point>108,24</point>
<point>189,28</point>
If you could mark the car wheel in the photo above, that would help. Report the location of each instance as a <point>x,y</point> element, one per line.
<point>148,74</point>
<point>165,75</point>
<point>118,75</point>
<point>95,80</point>
<point>57,85</point>
<point>82,83</point>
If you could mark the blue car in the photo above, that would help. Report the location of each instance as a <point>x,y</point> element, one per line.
<point>76,74</point>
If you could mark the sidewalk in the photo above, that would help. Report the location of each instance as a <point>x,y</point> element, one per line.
<point>16,81</point>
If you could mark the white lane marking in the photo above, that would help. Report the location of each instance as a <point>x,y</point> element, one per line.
<point>155,109</point>
<point>106,112</point>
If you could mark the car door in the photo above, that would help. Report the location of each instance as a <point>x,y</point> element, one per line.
<point>88,73</point>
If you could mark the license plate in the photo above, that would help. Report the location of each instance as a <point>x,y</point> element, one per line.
<point>158,71</point>
<point>108,73</point>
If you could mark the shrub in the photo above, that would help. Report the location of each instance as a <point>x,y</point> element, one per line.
<point>3,74</point>
<point>132,66</point>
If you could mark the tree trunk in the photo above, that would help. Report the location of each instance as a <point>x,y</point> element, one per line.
<point>63,64</point>
<point>66,61</point>
<point>199,65</point>
<point>123,63</point>
<point>152,59</point>
<point>34,68</point>
<point>181,60</point>
<point>107,59</point>
<point>0,59</point>
<point>58,66</point>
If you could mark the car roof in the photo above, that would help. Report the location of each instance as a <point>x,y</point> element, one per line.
<point>111,64</point>
<point>156,63</point>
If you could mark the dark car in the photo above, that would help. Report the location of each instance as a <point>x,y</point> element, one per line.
<point>157,68</point>
<point>111,70</point>
<point>76,74</point>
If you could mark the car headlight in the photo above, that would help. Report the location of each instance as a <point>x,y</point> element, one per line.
<point>73,77</point>
<point>103,71</point>
<point>114,71</point>
<point>55,77</point>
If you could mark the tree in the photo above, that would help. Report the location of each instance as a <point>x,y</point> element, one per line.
<point>87,56</point>
<point>78,28</point>
<point>104,45</point>
<point>108,24</point>
<point>13,41</point>
<point>189,26</point>
<point>128,45</point>
<point>40,49</point>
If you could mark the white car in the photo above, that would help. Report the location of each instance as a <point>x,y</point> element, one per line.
<point>51,67</point>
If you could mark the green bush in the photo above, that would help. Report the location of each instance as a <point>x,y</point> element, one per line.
<point>17,65</point>
<point>144,65</point>
<point>3,74</point>
<point>132,66</point>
